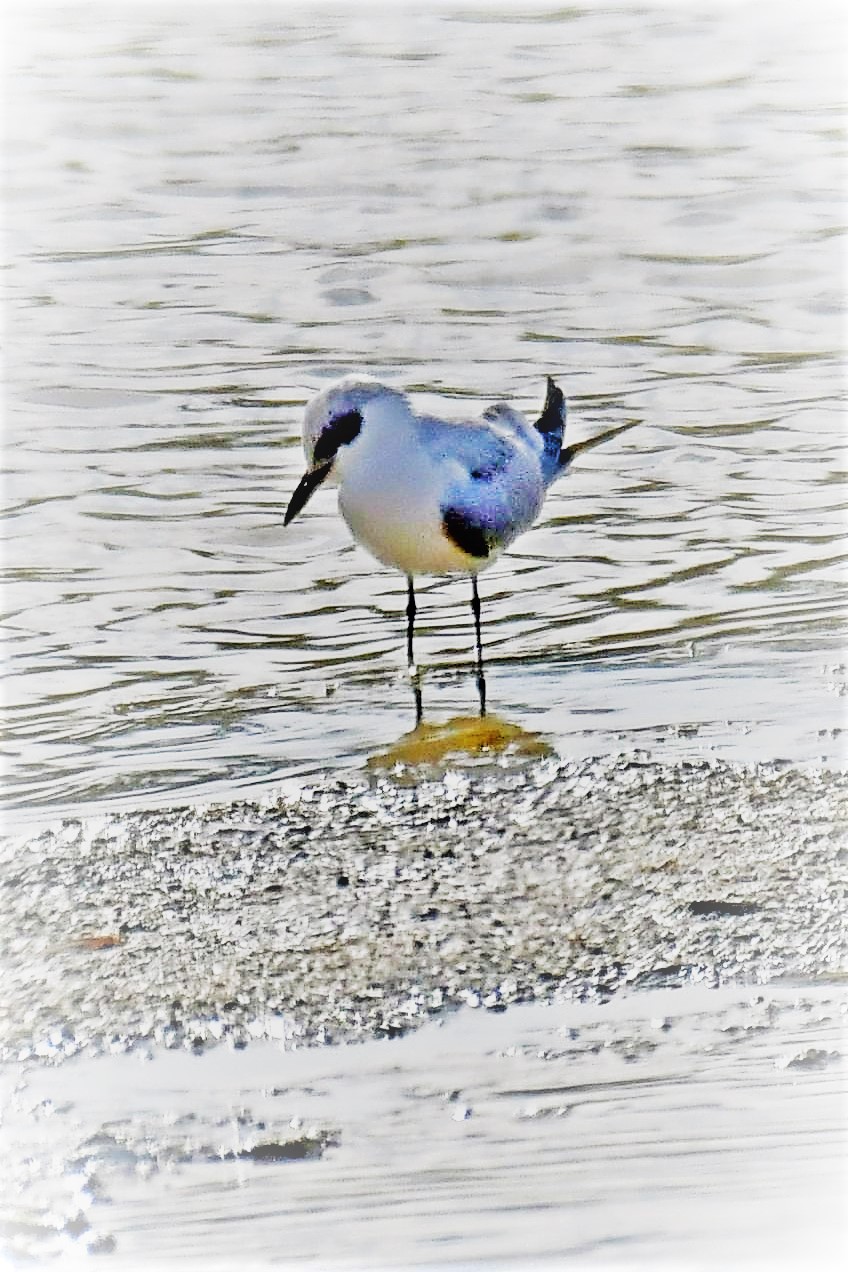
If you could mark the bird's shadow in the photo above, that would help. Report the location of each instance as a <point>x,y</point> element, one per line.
<point>463,737</point>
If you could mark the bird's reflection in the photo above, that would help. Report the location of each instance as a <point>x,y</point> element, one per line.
<point>458,738</point>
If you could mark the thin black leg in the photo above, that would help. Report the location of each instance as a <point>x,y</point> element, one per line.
<point>475,609</point>
<point>410,619</point>
<point>410,630</point>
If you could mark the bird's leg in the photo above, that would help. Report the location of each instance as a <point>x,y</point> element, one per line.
<point>410,629</point>
<point>475,609</point>
<point>410,620</point>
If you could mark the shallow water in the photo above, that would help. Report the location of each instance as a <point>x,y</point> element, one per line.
<point>213,213</point>
<point>676,1128</point>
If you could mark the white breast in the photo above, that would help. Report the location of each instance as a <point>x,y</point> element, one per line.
<point>390,496</point>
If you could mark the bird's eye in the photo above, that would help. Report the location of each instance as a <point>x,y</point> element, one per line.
<point>339,432</point>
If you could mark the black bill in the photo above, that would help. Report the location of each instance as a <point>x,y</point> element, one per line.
<point>306,487</point>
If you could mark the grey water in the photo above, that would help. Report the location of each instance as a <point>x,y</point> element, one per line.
<point>211,213</point>
<point>679,1129</point>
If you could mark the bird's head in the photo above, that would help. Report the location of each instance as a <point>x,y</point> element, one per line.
<point>332,420</point>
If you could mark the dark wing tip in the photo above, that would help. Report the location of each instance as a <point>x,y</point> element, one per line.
<point>553,412</point>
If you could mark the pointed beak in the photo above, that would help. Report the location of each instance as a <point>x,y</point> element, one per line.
<point>306,487</point>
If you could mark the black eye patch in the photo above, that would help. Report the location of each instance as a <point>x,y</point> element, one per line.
<point>339,432</point>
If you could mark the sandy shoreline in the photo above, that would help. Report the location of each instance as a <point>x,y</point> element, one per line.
<point>364,906</point>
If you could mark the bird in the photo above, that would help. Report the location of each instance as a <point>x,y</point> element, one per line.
<point>427,495</point>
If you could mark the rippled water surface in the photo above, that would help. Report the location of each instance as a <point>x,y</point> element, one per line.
<point>213,213</point>
<point>676,1129</point>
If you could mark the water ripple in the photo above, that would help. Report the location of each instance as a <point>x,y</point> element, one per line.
<point>210,220</point>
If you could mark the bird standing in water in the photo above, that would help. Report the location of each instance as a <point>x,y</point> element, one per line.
<point>427,495</point>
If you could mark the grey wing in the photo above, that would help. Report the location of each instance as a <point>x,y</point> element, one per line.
<point>494,487</point>
<point>471,447</point>
<point>484,513</point>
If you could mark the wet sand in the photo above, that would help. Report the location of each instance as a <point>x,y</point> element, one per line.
<point>678,928</point>
<point>362,906</point>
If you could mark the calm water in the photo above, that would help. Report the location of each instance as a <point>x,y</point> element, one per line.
<point>673,1129</point>
<point>211,214</point>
